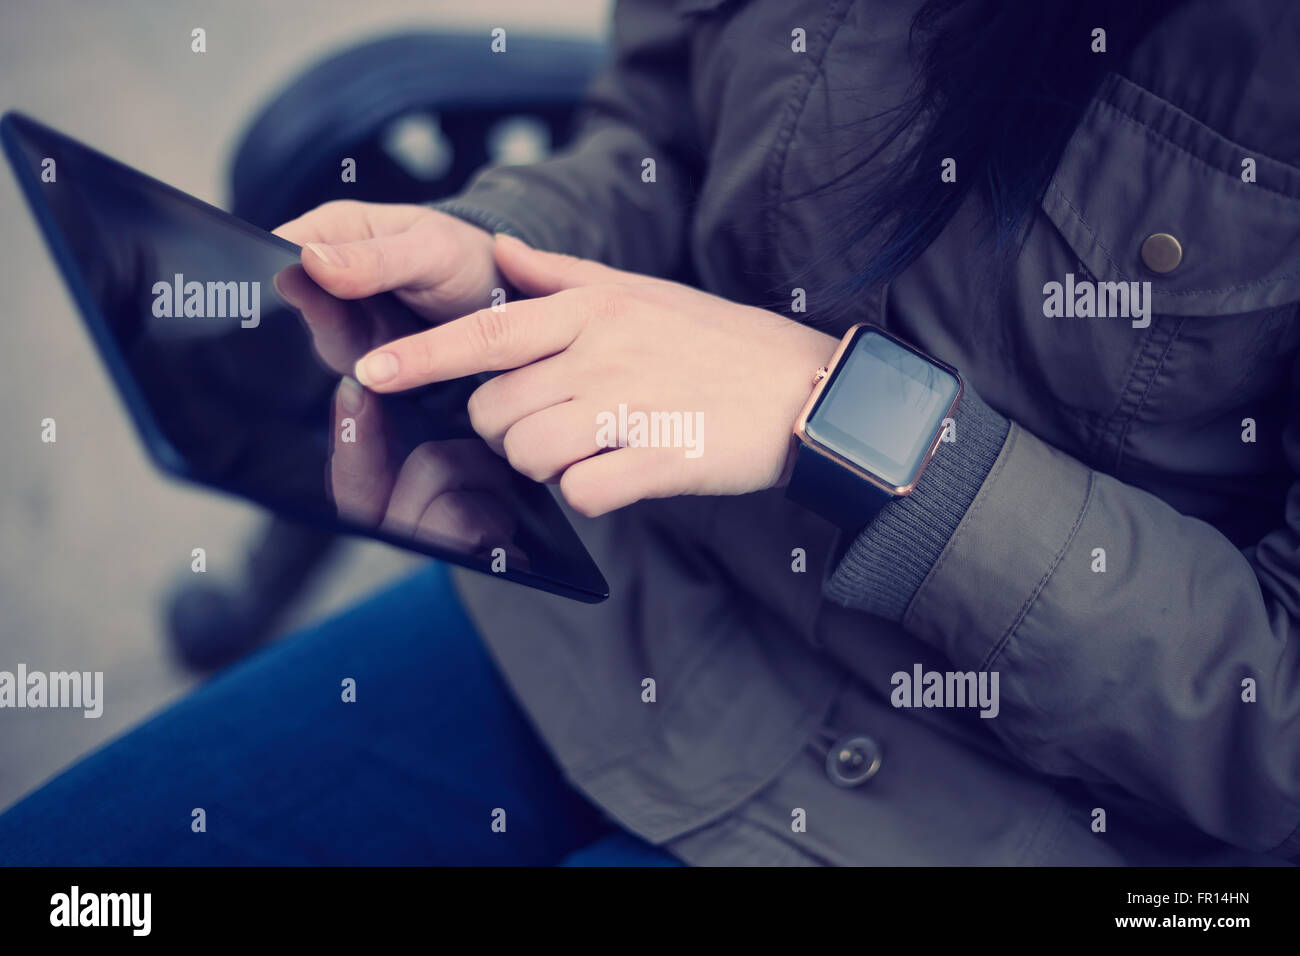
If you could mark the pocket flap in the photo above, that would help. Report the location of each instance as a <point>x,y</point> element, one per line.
<point>1137,165</point>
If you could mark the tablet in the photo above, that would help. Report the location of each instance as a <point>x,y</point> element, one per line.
<point>223,382</point>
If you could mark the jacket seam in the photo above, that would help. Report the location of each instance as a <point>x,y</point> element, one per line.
<point>1106,423</point>
<point>1031,846</point>
<point>793,108</point>
<point>1162,138</point>
<point>1042,582</point>
<point>1290,844</point>
<point>1079,217</point>
<point>1113,429</point>
<point>1146,393</point>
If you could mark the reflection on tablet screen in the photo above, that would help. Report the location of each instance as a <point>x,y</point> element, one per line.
<point>231,387</point>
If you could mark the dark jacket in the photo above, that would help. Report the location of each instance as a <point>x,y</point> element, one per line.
<point>1163,690</point>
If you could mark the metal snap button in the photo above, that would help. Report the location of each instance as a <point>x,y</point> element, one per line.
<point>1162,253</point>
<point>852,761</point>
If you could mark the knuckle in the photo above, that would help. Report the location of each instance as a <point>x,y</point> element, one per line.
<point>484,408</point>
<point>604,303</point>
<point>654,293</point>
<point>578,494</point>
<point>377,263</point>
<point>523,453</point>
<point>489,333</point>
<point>423,353</point>
<point>477,406</point>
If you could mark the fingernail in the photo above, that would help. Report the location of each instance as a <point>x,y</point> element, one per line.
<point>377,368</point>
<point>351,395</point>
<point>325,253</point>
<point>507,238</point>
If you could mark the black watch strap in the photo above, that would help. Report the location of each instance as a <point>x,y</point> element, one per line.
<point>832,491</point>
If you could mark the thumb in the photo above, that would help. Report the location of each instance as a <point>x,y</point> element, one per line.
<point>536,273</point>
<point>366,267</point>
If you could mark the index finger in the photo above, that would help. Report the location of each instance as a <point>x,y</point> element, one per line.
<point>484,341</point>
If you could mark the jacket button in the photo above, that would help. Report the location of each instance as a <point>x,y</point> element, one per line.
<point>1161,252</point>
<point>852,761</point>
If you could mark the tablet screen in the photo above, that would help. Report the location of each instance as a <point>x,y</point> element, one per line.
<point>227,386</point>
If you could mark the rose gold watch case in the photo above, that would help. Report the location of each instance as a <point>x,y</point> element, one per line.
<point>825,374</point>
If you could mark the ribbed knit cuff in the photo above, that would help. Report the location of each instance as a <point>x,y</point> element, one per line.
<point>880,569</point>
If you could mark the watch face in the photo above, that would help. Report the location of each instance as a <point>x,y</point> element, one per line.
<point>882,407</point>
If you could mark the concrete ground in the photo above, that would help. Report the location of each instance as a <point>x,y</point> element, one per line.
<point>91,536</point>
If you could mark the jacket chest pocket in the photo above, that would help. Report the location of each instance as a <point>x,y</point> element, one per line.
<point>1195,242</point>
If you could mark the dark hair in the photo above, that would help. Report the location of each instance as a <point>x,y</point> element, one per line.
<point>1001,86</point>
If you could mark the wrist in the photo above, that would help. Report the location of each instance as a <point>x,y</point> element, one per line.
<point>806,365</point>
<point>880,569</point>
<point>871,425</point>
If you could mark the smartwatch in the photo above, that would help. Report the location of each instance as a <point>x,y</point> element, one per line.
<point>875,417</point>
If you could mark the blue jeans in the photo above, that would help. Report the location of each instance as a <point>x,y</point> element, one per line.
<point>286,772</point>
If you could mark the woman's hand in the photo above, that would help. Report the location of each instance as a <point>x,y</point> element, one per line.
<point>439,266</point>
<point>719,384</point>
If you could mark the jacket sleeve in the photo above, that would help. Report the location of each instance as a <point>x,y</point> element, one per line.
<point>1174,673</point>
<point>596,198</point>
